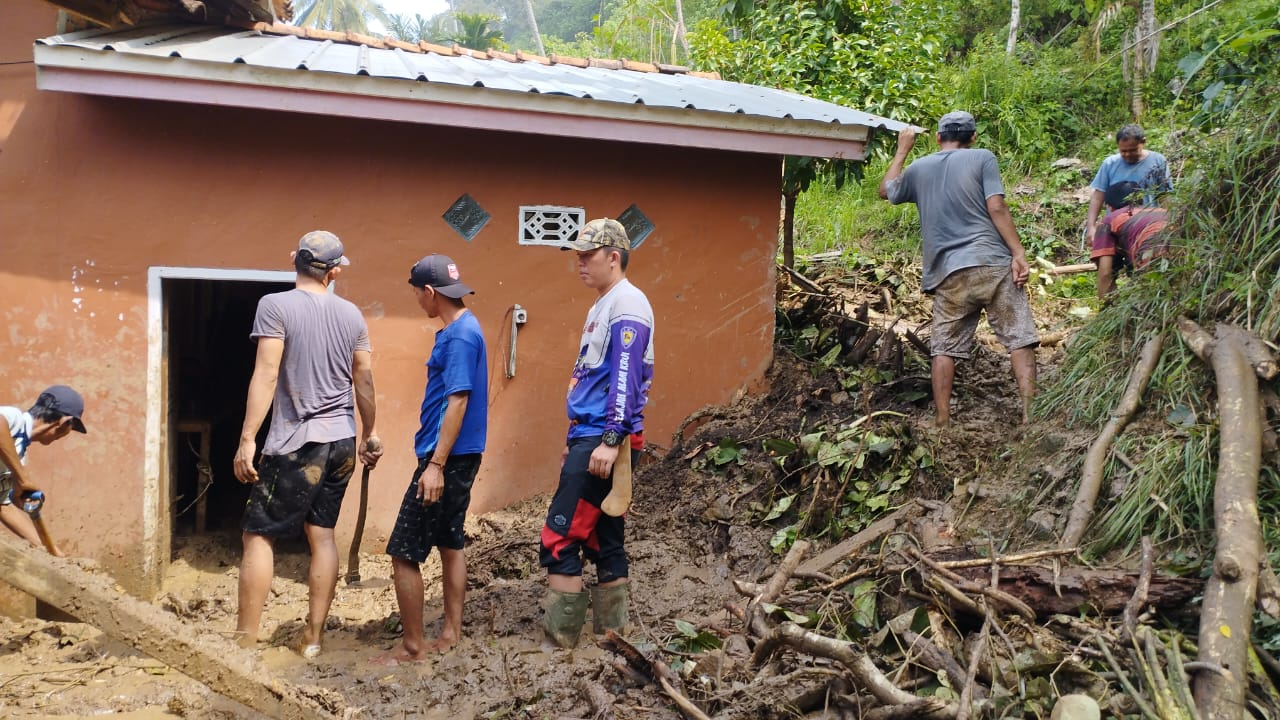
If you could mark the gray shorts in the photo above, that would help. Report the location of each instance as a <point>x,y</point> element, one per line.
<point>964,294</point>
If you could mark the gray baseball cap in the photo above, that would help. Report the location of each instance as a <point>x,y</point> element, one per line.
<point>957,121</point>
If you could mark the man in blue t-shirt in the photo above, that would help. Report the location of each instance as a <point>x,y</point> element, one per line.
<point>1134,163</point>
<point>449,443</point>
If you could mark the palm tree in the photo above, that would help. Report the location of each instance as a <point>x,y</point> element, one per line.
<point>477,31</point>
<point>533,26</point>
<point>348,15</point>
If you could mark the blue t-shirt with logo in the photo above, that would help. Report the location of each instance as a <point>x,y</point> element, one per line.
<point>1151,173</point>
<point>458,363</point>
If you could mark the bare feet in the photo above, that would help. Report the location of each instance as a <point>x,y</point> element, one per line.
<point>247,641</point>
<point>442,644</point>
<point>398,656</point>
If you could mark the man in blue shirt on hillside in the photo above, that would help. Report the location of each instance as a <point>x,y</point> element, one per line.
<point>454,421</point>
<point>1133,163</point>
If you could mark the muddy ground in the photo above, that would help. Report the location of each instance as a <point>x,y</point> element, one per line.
<point>689,534</point>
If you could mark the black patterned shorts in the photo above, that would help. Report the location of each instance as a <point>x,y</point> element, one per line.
<point>421,527</point>
<point>306,485</point>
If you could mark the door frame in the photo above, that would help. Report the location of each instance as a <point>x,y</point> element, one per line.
<point>157,536</point>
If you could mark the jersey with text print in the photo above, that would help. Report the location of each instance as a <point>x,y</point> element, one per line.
<point>610,383</point>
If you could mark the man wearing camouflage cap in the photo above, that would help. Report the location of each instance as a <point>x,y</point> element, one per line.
<point>607,394</point>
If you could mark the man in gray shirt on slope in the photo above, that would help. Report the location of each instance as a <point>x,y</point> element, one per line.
<point>973,260</point>
<point>313,368</point>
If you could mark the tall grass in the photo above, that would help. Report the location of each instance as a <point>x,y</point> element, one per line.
<point>1227,269</point>
<point>853,218</point>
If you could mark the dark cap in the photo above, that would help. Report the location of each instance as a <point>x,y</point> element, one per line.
<point>440,274</point>
<point>957,121</point>
<point>1117,196</point>
<point>65,400</point>
<point>603,232</point>
<point>322,249</point>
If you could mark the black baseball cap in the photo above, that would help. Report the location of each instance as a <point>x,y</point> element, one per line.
<point>65,400</point>
<point>440,273</point>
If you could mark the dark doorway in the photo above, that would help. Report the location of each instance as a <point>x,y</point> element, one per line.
<point>210,359</point>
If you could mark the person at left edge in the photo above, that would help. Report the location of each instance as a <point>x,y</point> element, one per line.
<point>54,415</point>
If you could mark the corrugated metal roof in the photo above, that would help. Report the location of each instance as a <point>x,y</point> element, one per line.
<point>703,100</point>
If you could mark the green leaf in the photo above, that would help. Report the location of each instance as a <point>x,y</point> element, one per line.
<point>864,604</point>
<point>686,628</point>
<point>779,446</point>
<point>780,507</point>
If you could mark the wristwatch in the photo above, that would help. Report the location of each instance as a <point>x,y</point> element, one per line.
<point>612,438</point>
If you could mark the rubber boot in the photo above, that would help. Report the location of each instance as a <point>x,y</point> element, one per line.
<point>566,613</point>
<point>609,608</point>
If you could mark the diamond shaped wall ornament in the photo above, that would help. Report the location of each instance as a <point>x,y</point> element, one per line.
<point>466,217</point>
<point>637,225</point>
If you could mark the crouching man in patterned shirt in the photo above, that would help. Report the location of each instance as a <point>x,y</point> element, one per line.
<point>607,395</point>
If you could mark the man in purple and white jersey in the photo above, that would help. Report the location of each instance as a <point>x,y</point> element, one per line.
<point>607,394</point>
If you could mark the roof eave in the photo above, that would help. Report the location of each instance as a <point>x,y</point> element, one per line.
<point>79,70</point>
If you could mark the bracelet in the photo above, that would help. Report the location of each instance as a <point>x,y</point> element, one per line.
<point>436,463</point>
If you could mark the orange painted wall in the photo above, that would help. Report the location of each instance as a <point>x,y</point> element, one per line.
<point>93,191</point>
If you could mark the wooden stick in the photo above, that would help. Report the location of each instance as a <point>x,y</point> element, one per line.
<point>859,540</point>
<point>214,661</point>
<point>1134,606</point>
<point>975,657</point>
<point>864,671</point>
<point>685,704</point>
<point>1095,461</point>
<point>775,586</point>
<point>995,594</point>
<point>1006,559</point>
<point>938,660</point>
<point>1071,269</point>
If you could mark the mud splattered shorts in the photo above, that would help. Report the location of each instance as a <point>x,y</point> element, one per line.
<point>421,527</point>
<point>964,294</point>
<point>575,524</point>
<point>305,485</point>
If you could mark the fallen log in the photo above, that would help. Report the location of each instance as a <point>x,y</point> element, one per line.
<point>1226,616</point>
<point>1095,461</point>
<point>212,660</point>
<point>1073,589</point>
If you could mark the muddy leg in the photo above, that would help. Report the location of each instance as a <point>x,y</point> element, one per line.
<point>455,589</point>
<point>1024,372</point>
<point>564,583</point>
<point>256,568</point>
<point>322,581</point>
<point>407,576</point>
<point>944,375</point>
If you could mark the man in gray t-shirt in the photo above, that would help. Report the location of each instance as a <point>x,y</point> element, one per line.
<point>314,370</point>
<point>973,260</point>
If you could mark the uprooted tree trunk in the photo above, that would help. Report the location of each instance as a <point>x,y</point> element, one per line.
<point>214,661</point>
<point>1096,460</point>
<point>1227,614</point>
